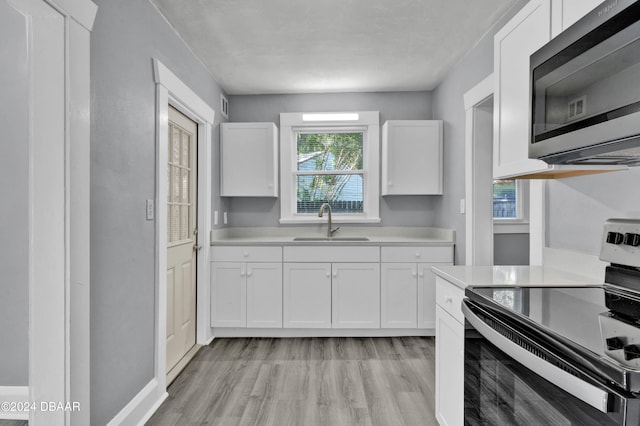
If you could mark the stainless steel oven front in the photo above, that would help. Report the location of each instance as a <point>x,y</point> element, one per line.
<point>516,374</point>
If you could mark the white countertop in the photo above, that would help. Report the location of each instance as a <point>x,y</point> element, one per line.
<point>519,276</point>
<point>377,235</point>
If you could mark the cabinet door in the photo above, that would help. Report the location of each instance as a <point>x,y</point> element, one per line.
<point>249,160</point>
<point>307,295</point>
<point>412,157</point>
<point>566,12</point>
<point>356,295</point>
<point>525,33</point>
<point>264,295</point>
<point>427,295</point>
<point>228,294</point>
<point>449,369</point>
<point>399,298</point>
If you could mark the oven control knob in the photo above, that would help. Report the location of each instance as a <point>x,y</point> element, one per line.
<point>615,343</point>
<point>632,239</point>
<point>631,352</point>
<point>615,238</point>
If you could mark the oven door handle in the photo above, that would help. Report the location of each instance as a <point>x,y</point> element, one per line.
<point>590,394</point>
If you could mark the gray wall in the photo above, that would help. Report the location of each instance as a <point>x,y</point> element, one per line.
<point>577,208</point>
<point>126,36</point>
<point>448,105</point>
<point>14,302</point>
<point>397,210</point>
<point>510,249</point>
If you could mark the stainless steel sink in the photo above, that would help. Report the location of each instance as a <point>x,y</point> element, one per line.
<point>331,239</point>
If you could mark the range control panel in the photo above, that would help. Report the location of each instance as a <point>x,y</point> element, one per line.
<point>621,242</point>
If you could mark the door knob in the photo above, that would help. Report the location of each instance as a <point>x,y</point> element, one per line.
<point>197,248</point>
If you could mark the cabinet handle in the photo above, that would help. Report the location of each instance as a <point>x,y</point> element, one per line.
<point>421,274</point>
<point>249,273</point>
<point>328,274</point>
<point>335,274</point>
<point>417,254</point>
<point>414,274</point>
<point>245,254</point>
<point>448,299</point>
<point>390,183</point>
<point>242,273</point>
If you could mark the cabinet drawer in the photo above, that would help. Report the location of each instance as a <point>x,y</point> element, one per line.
<point>417,254</point>
<point>331,254</point>
<point>246,253</point>
<point>449,297</point>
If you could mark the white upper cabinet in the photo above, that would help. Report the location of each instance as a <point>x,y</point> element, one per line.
<point>566,12</point>
<point>525,33</point>
<point>412,157</point>
<point>530,29</point>
<point>249,160</point>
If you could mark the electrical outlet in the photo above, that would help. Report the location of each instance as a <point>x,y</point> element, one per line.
<point>215,217</point>
<point>462,206</point>
<point>224,217</point>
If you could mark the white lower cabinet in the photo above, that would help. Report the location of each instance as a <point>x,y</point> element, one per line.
<point>408,295</point>
<point>355,295</point>
<point>449,354</point>
<point>399,307</point>
<point>326,295</point>
<point>228,294</point>
<point>264,295</point>
<point>246,294</point>
<point>307,295</point>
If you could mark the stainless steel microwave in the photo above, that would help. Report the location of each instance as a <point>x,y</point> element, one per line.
<point>585,90</point>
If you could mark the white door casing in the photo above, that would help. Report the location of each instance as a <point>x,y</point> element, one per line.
<point>170,90</point>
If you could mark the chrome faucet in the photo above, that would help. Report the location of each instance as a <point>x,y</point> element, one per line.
<point>330,230</point>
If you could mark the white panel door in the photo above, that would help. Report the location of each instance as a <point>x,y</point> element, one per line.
<point>228,294</point>
<point>449,369</point>
<point>356,295</point>
<point>525,33</point>
<point>399,298</point>
<point>264,295</point>
<point>307,295</point>
<point>181,233</point>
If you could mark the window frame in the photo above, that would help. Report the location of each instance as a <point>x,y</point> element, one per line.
<point>290,125</point>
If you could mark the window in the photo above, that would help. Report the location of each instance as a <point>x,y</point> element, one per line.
<point>505,195</point>
<point>333,161</point>
<point>510,206</point>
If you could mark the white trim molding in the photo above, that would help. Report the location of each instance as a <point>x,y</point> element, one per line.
<point>58,212</point>
<point>141,407</point>
<point>170,90</point>
<point>16,396</point>
<point>478,227</point>
<point>367,120</point>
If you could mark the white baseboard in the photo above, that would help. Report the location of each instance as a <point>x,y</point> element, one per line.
<point>141,407</point>
<point>14,395</point>
<point>321,332</point>
<point>578,263</point>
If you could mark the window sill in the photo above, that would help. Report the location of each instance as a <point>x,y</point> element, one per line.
<point>335,219</point>
<point>510,227</point>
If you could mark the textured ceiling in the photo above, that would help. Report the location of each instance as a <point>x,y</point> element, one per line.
<point>305,46</point>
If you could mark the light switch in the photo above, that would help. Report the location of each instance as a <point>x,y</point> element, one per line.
<point>462,206</point>
<point>215,217</point>
<point>150,210</point>
<point>224,218</point>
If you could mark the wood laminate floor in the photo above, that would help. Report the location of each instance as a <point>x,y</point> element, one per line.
<point>305,382</point>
